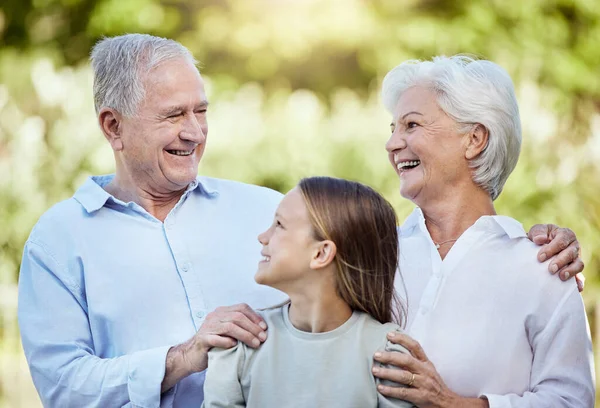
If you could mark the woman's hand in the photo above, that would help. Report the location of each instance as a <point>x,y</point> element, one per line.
<point>563,243</point>
<point>424,386</point>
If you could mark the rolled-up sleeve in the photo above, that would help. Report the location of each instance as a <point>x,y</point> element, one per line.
<point>59,346</point>
<point>562,374</point>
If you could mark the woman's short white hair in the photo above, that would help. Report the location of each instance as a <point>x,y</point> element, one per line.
<point>121,64</point>
<point>471,92</point>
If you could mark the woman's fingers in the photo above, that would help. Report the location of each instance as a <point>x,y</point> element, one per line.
<point>413,346</point>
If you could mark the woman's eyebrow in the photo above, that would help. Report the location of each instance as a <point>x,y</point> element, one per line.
<point>411,113</point>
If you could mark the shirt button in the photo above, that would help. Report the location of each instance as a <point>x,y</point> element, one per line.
<point>200,314</point>
<point>185,267</point>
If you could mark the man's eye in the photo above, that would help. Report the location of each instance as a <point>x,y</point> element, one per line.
<point>175,115</point>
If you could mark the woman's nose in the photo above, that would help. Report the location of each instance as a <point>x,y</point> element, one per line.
<point>395,142</point>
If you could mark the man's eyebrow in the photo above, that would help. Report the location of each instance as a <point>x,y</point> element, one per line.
<point>173,110</point>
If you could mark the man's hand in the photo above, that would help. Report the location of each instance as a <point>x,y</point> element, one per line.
<point>563,243</point>
<point>424,386</point>
<point>221,328</point>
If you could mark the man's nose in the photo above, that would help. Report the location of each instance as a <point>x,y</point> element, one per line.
<point>194,130</point>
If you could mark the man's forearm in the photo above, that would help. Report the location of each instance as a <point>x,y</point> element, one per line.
<point>177,367</point>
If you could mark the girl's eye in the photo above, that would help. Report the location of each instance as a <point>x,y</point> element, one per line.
<point>278,224</point>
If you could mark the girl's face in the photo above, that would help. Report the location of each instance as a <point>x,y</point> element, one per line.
<point>288,245</point>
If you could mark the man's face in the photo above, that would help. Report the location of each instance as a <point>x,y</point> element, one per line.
<point>163,143</point>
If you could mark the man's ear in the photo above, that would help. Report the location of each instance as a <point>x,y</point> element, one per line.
<point>323,255</point>
<point>110,122</point>
<point>477,141</point>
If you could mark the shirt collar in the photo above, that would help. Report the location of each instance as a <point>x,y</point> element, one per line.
<point>511,227</point>
<point>414,220</point>
<point>92,195</point>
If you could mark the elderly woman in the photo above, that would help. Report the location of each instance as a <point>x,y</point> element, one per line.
<point>487,325</point>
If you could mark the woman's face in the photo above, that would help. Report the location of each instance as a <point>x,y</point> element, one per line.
<point>288,245</point>
<point>425,148</point>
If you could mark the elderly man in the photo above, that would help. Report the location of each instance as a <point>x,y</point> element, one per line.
<point>122,286</point>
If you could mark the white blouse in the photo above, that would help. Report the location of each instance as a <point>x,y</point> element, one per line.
<point>493,320</point>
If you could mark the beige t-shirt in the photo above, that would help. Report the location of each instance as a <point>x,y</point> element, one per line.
<point>299,369</point>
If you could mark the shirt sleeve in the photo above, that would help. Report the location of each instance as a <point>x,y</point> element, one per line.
<point>382,400</point>
<point>222,385</point>
<point>562,373</point>
<point>59,347</point>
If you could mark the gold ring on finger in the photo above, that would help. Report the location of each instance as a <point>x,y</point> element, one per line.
<point>412,380</point>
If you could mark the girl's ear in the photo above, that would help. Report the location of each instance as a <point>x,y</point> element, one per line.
<point>323,255</point>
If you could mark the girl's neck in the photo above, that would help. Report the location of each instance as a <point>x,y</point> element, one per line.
<point>318,311</point>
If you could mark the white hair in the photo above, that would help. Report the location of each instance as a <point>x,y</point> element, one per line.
<point>471,92</point>
<point>121,64</point>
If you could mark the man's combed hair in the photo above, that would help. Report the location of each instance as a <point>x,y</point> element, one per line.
<point>471,92</point>
<point>121,64</point>
<point>363,226</point>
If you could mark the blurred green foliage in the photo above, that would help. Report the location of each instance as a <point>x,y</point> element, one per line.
<point>294,92</point>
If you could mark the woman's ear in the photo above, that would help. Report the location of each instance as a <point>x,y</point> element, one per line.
<point>477,141</point>
<point>323,255</point>
<point>110,122</point>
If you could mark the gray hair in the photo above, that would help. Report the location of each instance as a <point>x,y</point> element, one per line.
<point>121,64</point>
<point>471,92</point>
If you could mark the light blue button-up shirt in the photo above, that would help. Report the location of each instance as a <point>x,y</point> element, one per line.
<point>106,289</point>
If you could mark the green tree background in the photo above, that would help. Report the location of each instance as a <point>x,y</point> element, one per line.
<point>294,92</point>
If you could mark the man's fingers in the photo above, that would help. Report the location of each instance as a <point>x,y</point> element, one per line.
<point>565,258</point>
<point>245,323</point>
<point>214,340</point>
<point>540,233</point>
<point>245,310</point>
<point>580,280</point>
<point>571,270</point>
<point>251,315</point>
<point>230,329</point>
<point>409,343</point>
<point>561,239</point>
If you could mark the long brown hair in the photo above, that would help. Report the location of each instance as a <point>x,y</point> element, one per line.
<point>363,226</point>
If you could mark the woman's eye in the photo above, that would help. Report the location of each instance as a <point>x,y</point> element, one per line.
<point>412,125</point>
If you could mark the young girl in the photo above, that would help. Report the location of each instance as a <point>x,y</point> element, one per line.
<point>333,249</point>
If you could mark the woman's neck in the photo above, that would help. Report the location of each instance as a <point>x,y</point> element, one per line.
<point>318,309</point>
<point>447,219</point>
